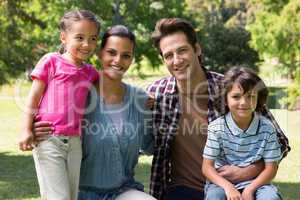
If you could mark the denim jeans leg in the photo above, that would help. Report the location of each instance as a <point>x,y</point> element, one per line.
<point>268,192</point>
<point>214,192</point>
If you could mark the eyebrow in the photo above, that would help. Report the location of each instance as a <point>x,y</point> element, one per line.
<point>128,52</point>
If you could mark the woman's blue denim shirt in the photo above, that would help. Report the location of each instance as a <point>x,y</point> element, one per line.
<point>109,158</point>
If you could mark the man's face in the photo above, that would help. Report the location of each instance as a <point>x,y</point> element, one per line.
<point>179,55</point>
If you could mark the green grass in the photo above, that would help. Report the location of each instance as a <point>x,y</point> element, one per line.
<point>17,174</point>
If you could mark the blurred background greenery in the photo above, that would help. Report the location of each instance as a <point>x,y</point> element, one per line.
<point>255,33</point>
<point>261,34</point>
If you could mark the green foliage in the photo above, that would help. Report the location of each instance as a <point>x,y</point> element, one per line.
<point>293,94</point>
<point>275,33</point>
<point>29,27</point>
<point>226,47</point>
<point>223,36</point>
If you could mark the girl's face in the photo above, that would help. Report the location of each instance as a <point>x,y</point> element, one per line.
<point>80,41</point>
<point>116,56</point>
<point>240,104</point>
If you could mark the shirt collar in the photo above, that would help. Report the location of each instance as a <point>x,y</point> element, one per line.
<point>235,130</point>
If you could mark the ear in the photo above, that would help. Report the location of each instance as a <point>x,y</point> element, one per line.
<point>198,49</point>
<point>63,37</point>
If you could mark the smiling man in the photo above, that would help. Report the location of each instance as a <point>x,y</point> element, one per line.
<point>184,104</point>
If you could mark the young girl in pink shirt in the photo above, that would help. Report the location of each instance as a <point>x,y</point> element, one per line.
<point>61,82</point>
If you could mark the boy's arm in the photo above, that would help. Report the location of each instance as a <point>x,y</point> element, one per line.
<point>212,175</point>
<point>35,94</point>
<point>263,178</point>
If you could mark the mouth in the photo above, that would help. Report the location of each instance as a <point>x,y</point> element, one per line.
<point>181,69</point>
<point>244,109</point>
<point>117,68</point>
<point>84,52</point>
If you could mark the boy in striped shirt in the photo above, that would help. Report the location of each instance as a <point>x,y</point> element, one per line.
<point>241,137</point>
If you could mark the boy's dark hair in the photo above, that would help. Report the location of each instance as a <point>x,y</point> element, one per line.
<point>118,30</point>
<point>248,80</point>
<point>73,16</point>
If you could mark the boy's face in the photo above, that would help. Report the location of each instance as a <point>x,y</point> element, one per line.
<point>179,55</point>
<point>240,104</point>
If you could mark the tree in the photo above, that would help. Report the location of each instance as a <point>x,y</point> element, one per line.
<point>223,36</point>
<point>29,27</point>
<point>275,33</point>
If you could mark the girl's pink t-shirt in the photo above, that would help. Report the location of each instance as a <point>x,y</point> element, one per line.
<point>67,86</point>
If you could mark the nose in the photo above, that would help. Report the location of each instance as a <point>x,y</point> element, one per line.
<point>85,43</point>
<point>243,100</point>
<point>117,59</point>
<point>177,59</point>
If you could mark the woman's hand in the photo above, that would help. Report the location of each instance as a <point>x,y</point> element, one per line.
<point>41,130</point>
<point>150,101</point>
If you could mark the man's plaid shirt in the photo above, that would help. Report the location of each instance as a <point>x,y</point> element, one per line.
<point>166,114</point>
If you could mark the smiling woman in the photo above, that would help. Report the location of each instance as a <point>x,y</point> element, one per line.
<point>116,56</point>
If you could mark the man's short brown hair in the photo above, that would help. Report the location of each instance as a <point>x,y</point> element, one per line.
<point>168,26</point>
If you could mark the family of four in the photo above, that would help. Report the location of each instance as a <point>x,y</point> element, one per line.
<point>211,136</point>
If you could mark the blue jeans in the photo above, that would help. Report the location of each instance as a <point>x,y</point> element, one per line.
<point>183,193</point>
<point>265,192</point>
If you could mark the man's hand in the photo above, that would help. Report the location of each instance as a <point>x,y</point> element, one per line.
<point>236,174</point>
<point>230,172</point>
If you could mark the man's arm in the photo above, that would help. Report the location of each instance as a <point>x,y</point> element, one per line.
<point>236,174</point>
<point>283,140</point>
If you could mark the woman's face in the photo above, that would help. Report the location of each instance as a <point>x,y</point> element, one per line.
<point>116,56</point>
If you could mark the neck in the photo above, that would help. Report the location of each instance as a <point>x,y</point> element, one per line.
<point>111,90</point>
<point>68,57</point>
<point>243,123</point>
<point>196,84</point>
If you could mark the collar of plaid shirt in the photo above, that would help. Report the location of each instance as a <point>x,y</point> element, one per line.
<point>166,114</point>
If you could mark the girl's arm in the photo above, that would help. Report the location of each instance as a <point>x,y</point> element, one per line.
<point>263,178</point>
<point>35,94</point>
<point>212,175</point>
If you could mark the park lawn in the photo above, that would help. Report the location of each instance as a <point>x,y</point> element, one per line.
<point>17,174</point>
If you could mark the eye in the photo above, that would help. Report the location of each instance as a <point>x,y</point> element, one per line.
<point>236,97</point>
<point>111,52</point>
<point>94,38</point>
<point>182,51</point>
<point>126,56</point>
<point>167,56</point>
<point>79,38</point>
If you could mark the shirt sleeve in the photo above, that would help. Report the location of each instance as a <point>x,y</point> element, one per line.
<point>283,140</point>
<point>272,152</point>
<point>212,147</point>
<point>42,69</point>
<point>94,74</point>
